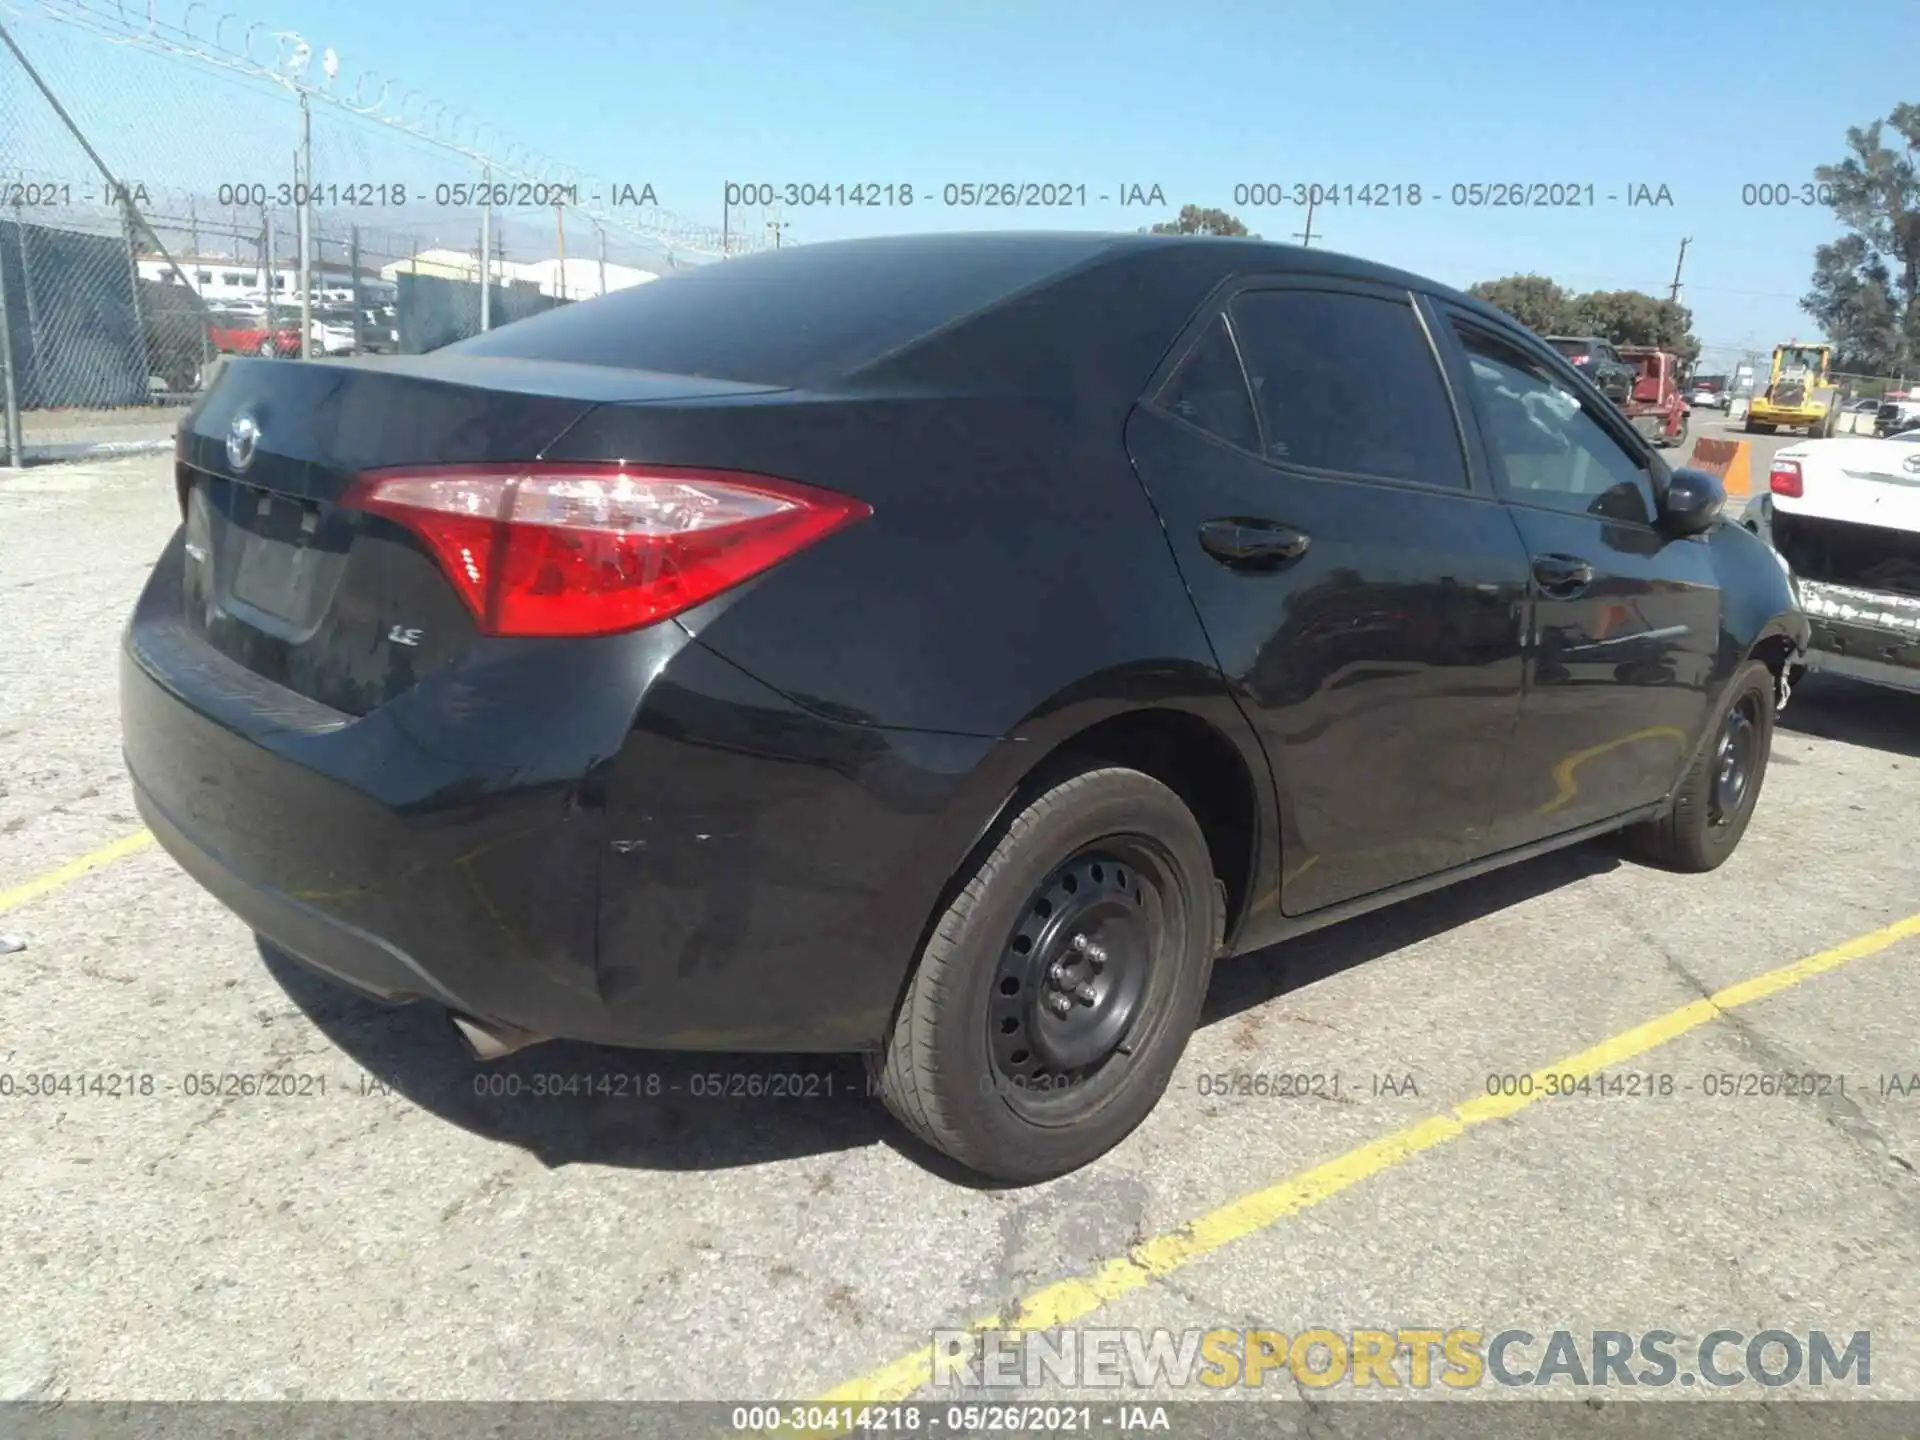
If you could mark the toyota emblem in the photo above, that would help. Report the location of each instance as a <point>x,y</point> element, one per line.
<point>1911,464</point>
<point>243,438</point>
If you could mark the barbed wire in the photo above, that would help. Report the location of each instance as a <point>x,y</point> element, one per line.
<point>256,51</point>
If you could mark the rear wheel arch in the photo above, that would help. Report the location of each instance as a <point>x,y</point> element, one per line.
<point>1191,757</point>
<point>1228,789</point>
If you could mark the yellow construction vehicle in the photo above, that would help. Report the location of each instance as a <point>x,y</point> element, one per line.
<point>1800,392</point>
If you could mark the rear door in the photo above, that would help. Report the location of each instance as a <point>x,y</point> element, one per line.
<point>1625,622</point>
<point>1363,591</point>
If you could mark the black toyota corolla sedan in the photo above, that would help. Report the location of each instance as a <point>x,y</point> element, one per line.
<point>941,647</point>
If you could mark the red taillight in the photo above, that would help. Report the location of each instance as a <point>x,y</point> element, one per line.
<point>589,549</point>
<point>1578,359</point>
<point>1783,478</point>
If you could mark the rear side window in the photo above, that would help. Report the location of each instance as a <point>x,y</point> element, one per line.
<point>1209,391</point>
<point>794,317</point>
<point>1348,383</point>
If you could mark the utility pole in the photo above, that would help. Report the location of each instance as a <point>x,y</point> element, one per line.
<point>353,271</point>
<point>486,249</point>
<point>1673,294</point>
<point>1305,237</point>
<point>266,247</point>
<point>560,242</point>
<point>16,451</point>
<point>776,226</point>
<point>603,259</point>
<point>303,197</point>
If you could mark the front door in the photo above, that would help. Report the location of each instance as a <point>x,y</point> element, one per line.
<point>1625,622</point>
<point>1364,595</point>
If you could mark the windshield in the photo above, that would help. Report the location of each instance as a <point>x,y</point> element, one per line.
<point>1799,358</point>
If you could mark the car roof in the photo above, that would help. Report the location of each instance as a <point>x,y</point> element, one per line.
<point>1039,311</point>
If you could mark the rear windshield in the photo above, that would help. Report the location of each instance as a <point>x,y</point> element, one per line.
<point>794,317</point>
<point>1570,347</point>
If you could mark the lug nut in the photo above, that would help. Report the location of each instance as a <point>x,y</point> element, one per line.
<point>1097,956</point>
<point>1057,973</point>
<point>1061,1004</point>
<point>1080,942</point>
<point>1087,994</point>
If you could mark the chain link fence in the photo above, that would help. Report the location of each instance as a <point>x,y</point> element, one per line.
<point>179,188</point>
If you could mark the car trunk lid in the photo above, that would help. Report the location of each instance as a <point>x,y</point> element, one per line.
<point>341,606</point>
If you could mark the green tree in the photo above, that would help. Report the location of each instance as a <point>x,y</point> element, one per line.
<point>1195,221</point>
<point>1534,300</point>
<point>1632,317</point>
<point>1626,317</point>
<point>1866,285</point>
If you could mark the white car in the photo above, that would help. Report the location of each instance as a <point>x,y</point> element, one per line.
<point>1706,398</point>
<point>1843,516</point>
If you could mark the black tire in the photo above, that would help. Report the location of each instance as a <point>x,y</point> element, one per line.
<point>1127,863</point>
<point>1703,823</point>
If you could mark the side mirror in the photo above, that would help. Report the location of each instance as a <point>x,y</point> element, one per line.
<point>1693,503</point>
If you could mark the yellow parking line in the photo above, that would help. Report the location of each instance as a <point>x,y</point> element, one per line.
<point>1066,1301</point>
<point>73,870</point>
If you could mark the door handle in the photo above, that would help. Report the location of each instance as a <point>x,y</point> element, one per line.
<point>1561,576</point>
<point>1252,544</point>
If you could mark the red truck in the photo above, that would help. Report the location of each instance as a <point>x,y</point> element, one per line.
<point>242,334</point>
<point>1656,403</point>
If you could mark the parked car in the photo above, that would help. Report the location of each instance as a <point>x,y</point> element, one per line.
<point>943,647</point>
<point>1705,397</point>
<point>174,320</point>
<point>1844,516</point>
<point>1603,364</point>
<point>380,330</point>
<point>1864,406</point>
<point>1893,416</point>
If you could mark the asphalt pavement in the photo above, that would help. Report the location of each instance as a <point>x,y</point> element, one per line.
<point>385,1219</point>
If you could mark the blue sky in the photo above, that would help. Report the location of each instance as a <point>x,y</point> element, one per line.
<point>1196,98</point>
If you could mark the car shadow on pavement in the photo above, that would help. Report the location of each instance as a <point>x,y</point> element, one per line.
<point>570,1103</point>
<point>1831,707</point>
<point>566,1102</point>
<point>1253,979</point>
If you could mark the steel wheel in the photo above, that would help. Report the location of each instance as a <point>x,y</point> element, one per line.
<point>1068,991</point>
<point>1734,757</point>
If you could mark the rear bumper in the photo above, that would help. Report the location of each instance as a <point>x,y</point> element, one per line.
<point>391,851</point>
<point>1860,653</point>
<point>627,841</point>
<point>1863,634</point>
<point>1785,414</point>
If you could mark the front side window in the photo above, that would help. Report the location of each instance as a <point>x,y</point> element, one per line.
<point>1348,383</point>
<point>1545,449</point>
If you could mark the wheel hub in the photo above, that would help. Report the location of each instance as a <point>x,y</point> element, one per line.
<point>1070,980</point>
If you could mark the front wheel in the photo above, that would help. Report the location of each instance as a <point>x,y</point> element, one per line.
<point>1058,988</point>
<point>1710,810</point>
